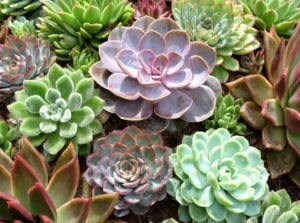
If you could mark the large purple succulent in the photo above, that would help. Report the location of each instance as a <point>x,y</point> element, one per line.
<point>156,71</point>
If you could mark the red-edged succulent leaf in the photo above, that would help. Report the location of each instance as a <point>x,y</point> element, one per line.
<point>239,89</point>
<point>277,65</point>
<point>23,177</point>
<point>75,211</point>
<point>65,178</point>
<point>281,86</point>
<point>259,87</point>
<point>19,212</point>
<point>5,161</point>
<point>34,159</point>
<point>273,112</point>
<point>280,163</point>
<point>274,137</point>
<point>45,219</point>
<point>294,173</point>
<point>4,212</point>
<point>5,185</point>
<point>292,53</point>
<point>101,207</point>
<point>251,114</point>
<point>292,120</point>
<point>294,141</point>
<point>40,202</point>
<point>294,78</point>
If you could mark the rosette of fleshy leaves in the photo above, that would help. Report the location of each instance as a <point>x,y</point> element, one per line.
<point>252,63</point>
<point>22,59</point>
<point>17,7</point>
<point>272,103</point>
<point>226,115</point>
<point>152,8</point>
<point>8,133</point>
<point>132,163</point>
<point>81,24</point>
<point>29,193</point>
<point>283,14</point>
<point>154,72</point>
<point>60,108</point>
<point>218,178</point>
<point>21,27</point>
<point>277,207</point>
<point>222,25</point>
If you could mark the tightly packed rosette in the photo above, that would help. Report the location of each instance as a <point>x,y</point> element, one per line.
<point>155,71</point>
<point>219,178</point>
<point>133,163</point>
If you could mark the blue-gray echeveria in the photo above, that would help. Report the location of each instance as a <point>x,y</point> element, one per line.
<point>156,71</point>
<point>219,178</point>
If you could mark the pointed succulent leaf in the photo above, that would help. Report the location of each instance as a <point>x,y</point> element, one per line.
<point>19,109</point>
<point>74,101</point>
<point>35,87</point>
<point>85,87</point>
<point>65,86</point>
<point>5,177</point>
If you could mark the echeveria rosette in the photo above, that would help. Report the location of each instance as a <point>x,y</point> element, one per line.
<point>60,108</point>
<point>132,163</point>
<point>22,59</point>
<point>218,178</point>
<point>156,72</point>
<point>222,25</point>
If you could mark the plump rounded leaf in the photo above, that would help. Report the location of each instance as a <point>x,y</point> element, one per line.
<point>34,103</point>
<point>83,116</point>
<point>30,127</point>
<point>35,87</point>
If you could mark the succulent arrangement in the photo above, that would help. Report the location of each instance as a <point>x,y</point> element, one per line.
<point>222,25</point>
<point>29,194</point>
<point>132,163</point>
<point>282,14</point>
<point>272,102</point>
<point>218,178</point>
<point>57,109</point>
<point>22,59</point>
<point>277,207</point>
<point>81,24</point>
<point>156,73</point>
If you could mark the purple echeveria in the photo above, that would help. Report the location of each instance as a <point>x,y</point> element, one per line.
<point>155,71</point>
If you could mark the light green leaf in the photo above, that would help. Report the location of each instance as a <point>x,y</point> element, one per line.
<point>68,130</point>
<point>74,101</point>
<point>83,116</point>
<point>35,87</point>
<point>65,86</point>
<point>54,143</point>
<point>85,87</point>
<point>34,103</point>
<point>84,135</point>
<point>30,127</point>
<point>48,126</point>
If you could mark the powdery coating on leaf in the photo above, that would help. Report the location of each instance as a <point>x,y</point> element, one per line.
<point>134,164</point>
<point>156,70</point>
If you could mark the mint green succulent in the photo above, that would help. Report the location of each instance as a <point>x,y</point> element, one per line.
<point>218,178</point>
<point>80,24</point>
<point>58,109</point>
<point>278,207</point>
<point>222,25</point>
<point>226,115</point>
<point>283,14</point>
<point>18,7</point>
<point>8,133</point>
<point>22,27</point>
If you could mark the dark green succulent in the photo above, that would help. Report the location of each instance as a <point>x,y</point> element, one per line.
<point>80,24</point>
<point>226,115</point>
<point>58,109</point>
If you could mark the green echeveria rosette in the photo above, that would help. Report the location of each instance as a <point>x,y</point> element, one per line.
<point>219,177</point>
<point>283,14</point>
<point>223,26</point>
<point>69,24</point>
<point>17,7</point>
<point>58,109</point>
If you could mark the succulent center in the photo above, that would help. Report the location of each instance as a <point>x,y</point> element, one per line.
<point>129,169</point>
<point>159,65</point>
<point>56,111</point>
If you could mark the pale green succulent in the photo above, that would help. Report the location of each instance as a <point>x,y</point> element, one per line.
<point>18,7</point>
<point>222,25</point>
<point>22,27</point>
<point>8,133</point>
<point>218,178</point>
<point>80,24</point>
<point>283,14</point>
<point>278,207</point>
<point>58,109</point>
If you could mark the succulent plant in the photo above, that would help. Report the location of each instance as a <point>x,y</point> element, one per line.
<point>17,7</point>
<point>8,133</point>
<point>283,14</point>
<point>22,27</point>
<point>29,194</point>
<point>132,163</point>
<point>156,73</point>
<point>57,109</point>
<point>81,24</point>
<point>22,59</point>
<point>219,178</point>
<point>226,115</point>
<point>152,8</point>
<point>252,63</point>
<point>277,207</point>
<point>272,102</point>
<point>222,25</point>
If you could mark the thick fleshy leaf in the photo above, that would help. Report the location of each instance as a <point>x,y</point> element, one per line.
<point>83,116</point>
<point>274,137</point>
<point>292,120</point>
<point>216,211</point>
<point>197,213</point>
<point>273,112</point>
<point>129,62</point>
<point>154,93</point>
<point>54,143</point>
<point>143,23</point>
<point>108,52</point>
<point>175,62</point>
<point>153,41</point>
<point>84,135</point>
<point>30,127</point>
<point>65,86</point>
<point>131,38</point>
<point>294,173</point>
<point>177,41</point>
<point>173,106</point>
<point>199,71</point>
<point>74,101</point>
<point>251,113</point>
<point>85,87</point>
<point>293,141</point>
<point>146,57</point>
<point>64,181</point>
<point>5,185</point>
<point>163,25</point>
<point>67,130</point>
<point>34,103</point>
<point>35,87</point>
<point>17,211</point>
<point>238,89</point>
<point>48,126</point>
<point>19,109</point>
<point>95,103</point>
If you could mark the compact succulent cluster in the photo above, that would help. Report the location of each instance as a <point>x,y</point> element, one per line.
<point>17,7</point>
<point>218,178</point>
<point>81,24</point>
<point>156,73</point>
<point>152,8</point>
<point>21,27</point>
<point>57,109</point>
<point>29,194</point>
<point>132,163</point>
<point>222,25</point>
<point>22,59</point>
